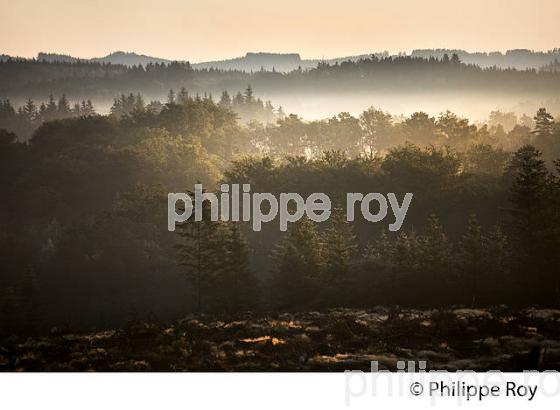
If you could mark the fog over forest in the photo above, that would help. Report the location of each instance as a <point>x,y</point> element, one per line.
<point>90,150</point>
<point>518,81</point>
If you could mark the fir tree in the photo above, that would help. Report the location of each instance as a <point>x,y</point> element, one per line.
<point>248,95</point>
<point>471,259</point>
<point>338,257</point>
<point>29,302</point>
<point>30,111</point>
<point>171,97</point>
<point>200,251</point>
<point>236,279</point>
<point>435,260</point>
<point>183,96</point>
<point>63,109</point>
<point>531,231</point>
<point>297,263</point>
<point>544,123</point>
<point>225,99</point>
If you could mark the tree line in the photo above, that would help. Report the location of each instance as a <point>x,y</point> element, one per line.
<point>27,118</point>
<point>21,79</point>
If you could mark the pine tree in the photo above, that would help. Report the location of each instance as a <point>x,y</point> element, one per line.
<point>200,253</point>
<point>89,108</point>
<point>298,261</point>
<point>225,100</point>
<point>236,280</point>
<point>406,253</point>
<point>376,270</point>
<point>171,97</point>
<point>238,100</point>
<point>51,109</point>
<point>248,95</point>
<point>76,110</point>
<point>86,109</point>
<point>531,232</point>
<point>29,302</point>
<point>435,260</point>
<point>129,104</point>
<point>380,251</point>
<point>544,123</point>
<point>339,244</point>
<point>471,258</point>
<point>183,96</point>
<point>116,109</point>
<point>63,109</point>
<point>139,104</point>
<point>497,260</point>
<point>30,111</point>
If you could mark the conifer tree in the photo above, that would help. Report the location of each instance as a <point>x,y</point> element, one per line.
<point>248,95</point>
<point>29,302</point>
<point>338,258</point>
<point>544,123</point>
<point>30,110</point>
<point>199,251</point>
<point>183,96</point>
<point>225,99</point>
<point>171,97</point>
<point>435,260</point>
<point>531,231</point>
<point>471,259</point>
<point>297,262</point>
<point>139,104</point>
<point>236,280</point>
<point>63,109</point>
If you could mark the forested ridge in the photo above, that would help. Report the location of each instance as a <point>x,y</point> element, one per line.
<point>21,79</point>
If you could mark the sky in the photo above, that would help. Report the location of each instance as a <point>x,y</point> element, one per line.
<point>205,30</point>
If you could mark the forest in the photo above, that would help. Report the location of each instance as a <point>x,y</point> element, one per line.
<point>23,78</point>
<point>83,221</point>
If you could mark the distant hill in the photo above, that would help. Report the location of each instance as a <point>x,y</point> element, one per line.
<point>5,57</point>
<point>273,61</point>
<point>118,57</point>
<point>519,58</point>
<point>256,61</point>
<point>129,59</point>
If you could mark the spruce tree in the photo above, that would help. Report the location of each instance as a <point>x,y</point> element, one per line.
<point>30,111</point>
<point>544,123</point>
<point>236,279</point>
<point>471,259</point>
<point>225,100</point>
<point>183,96</point>
<point>200,253</point>
<point>298,260</point>
<point>29,302</point>
<point>63,107</point>
<point>171,97</point>
<point>435,261</point>
<point>531,231</point>
<point>339,244</point>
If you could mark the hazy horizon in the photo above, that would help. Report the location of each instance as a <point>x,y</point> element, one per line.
<point>179,30</point>
<point>244,53</point>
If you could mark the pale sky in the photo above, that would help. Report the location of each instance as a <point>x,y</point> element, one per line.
<point>210,29</point>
